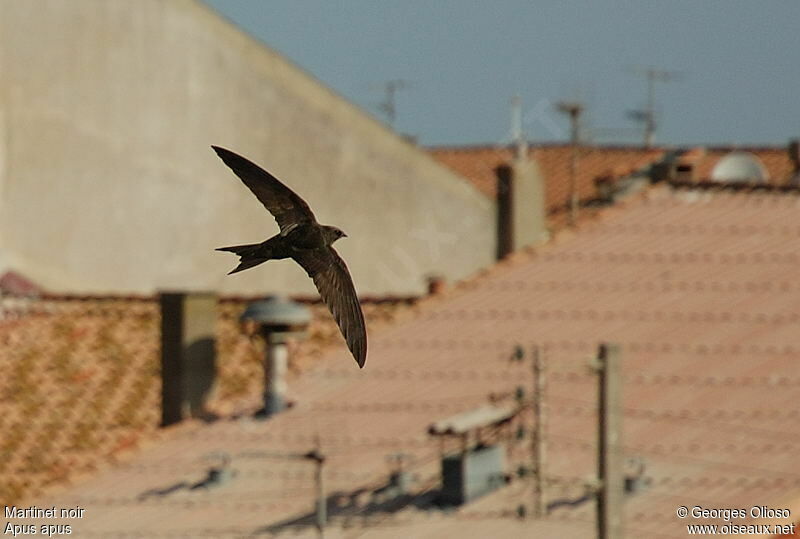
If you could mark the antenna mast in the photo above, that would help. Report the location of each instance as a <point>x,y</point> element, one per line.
<point>648,114</point>
<point>387,106</point>
<point>573,109</point>
<point>517,133</point>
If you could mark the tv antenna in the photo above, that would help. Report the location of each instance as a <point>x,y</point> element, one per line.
<point>518,137</point>
<point>388,105</point>
<point>647,115</point>
<point>573,109</point>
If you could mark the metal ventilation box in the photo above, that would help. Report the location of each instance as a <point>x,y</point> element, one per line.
<point>472,474</point>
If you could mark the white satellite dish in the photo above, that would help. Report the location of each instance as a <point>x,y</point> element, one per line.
<point>739,167</point>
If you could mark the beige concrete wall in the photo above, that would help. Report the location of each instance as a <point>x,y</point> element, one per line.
<point>108,184</point>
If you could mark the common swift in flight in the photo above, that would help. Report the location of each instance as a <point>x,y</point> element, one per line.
<point>305,241</point>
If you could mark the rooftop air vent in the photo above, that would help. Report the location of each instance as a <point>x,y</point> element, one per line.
<point>477,468</point>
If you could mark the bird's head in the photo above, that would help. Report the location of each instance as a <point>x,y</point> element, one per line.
<point>332,234</point>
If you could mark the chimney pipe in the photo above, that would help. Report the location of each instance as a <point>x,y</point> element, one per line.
<point>505,214</point>
<point>436,284</point>
<point>517,132</point>
<point>279,319</point>
<point>794,154</point>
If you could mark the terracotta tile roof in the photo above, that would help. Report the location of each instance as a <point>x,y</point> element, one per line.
<point>15,284</point>
<point>775,159</point>
<point>81,382</point>
<point>475,163</point>
<point>698,288</point>
<point>596,163</point>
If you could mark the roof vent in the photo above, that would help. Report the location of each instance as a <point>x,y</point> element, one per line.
<point>472,474</point>
<point>684,172</point>
<point>478,467</point>
<point>739,167</point>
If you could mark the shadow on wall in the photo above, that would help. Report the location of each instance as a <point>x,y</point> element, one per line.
<point>188,355</point>
<point>199,363</point>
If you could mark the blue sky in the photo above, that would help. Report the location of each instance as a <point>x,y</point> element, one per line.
<point>464,60</point>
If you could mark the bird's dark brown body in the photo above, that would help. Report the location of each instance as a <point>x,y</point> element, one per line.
<point>305,241</point>
<point>297,243</point>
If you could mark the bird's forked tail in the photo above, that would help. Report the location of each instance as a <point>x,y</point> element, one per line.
<point>249,255</point>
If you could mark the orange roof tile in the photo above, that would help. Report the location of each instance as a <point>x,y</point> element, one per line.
<point>698,288</point>
<point>478,163</point>
<point>13,283</point>
<point>81,378</point>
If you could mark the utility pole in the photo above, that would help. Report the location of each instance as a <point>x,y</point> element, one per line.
<point>610,456</point>
<point>539,449</point>
<point>574,110</point>
<point>648,115</point>
<point>318,457</point>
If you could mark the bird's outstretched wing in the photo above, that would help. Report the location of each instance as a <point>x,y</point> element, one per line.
<point>283,203</point>
<point>335,286</point>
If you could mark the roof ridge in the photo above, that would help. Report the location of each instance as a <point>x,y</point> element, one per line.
<point>532,145</point>
<point>744,148</point>
<point>745,187</point>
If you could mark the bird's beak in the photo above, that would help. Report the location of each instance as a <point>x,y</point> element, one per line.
<point>344,235</point>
